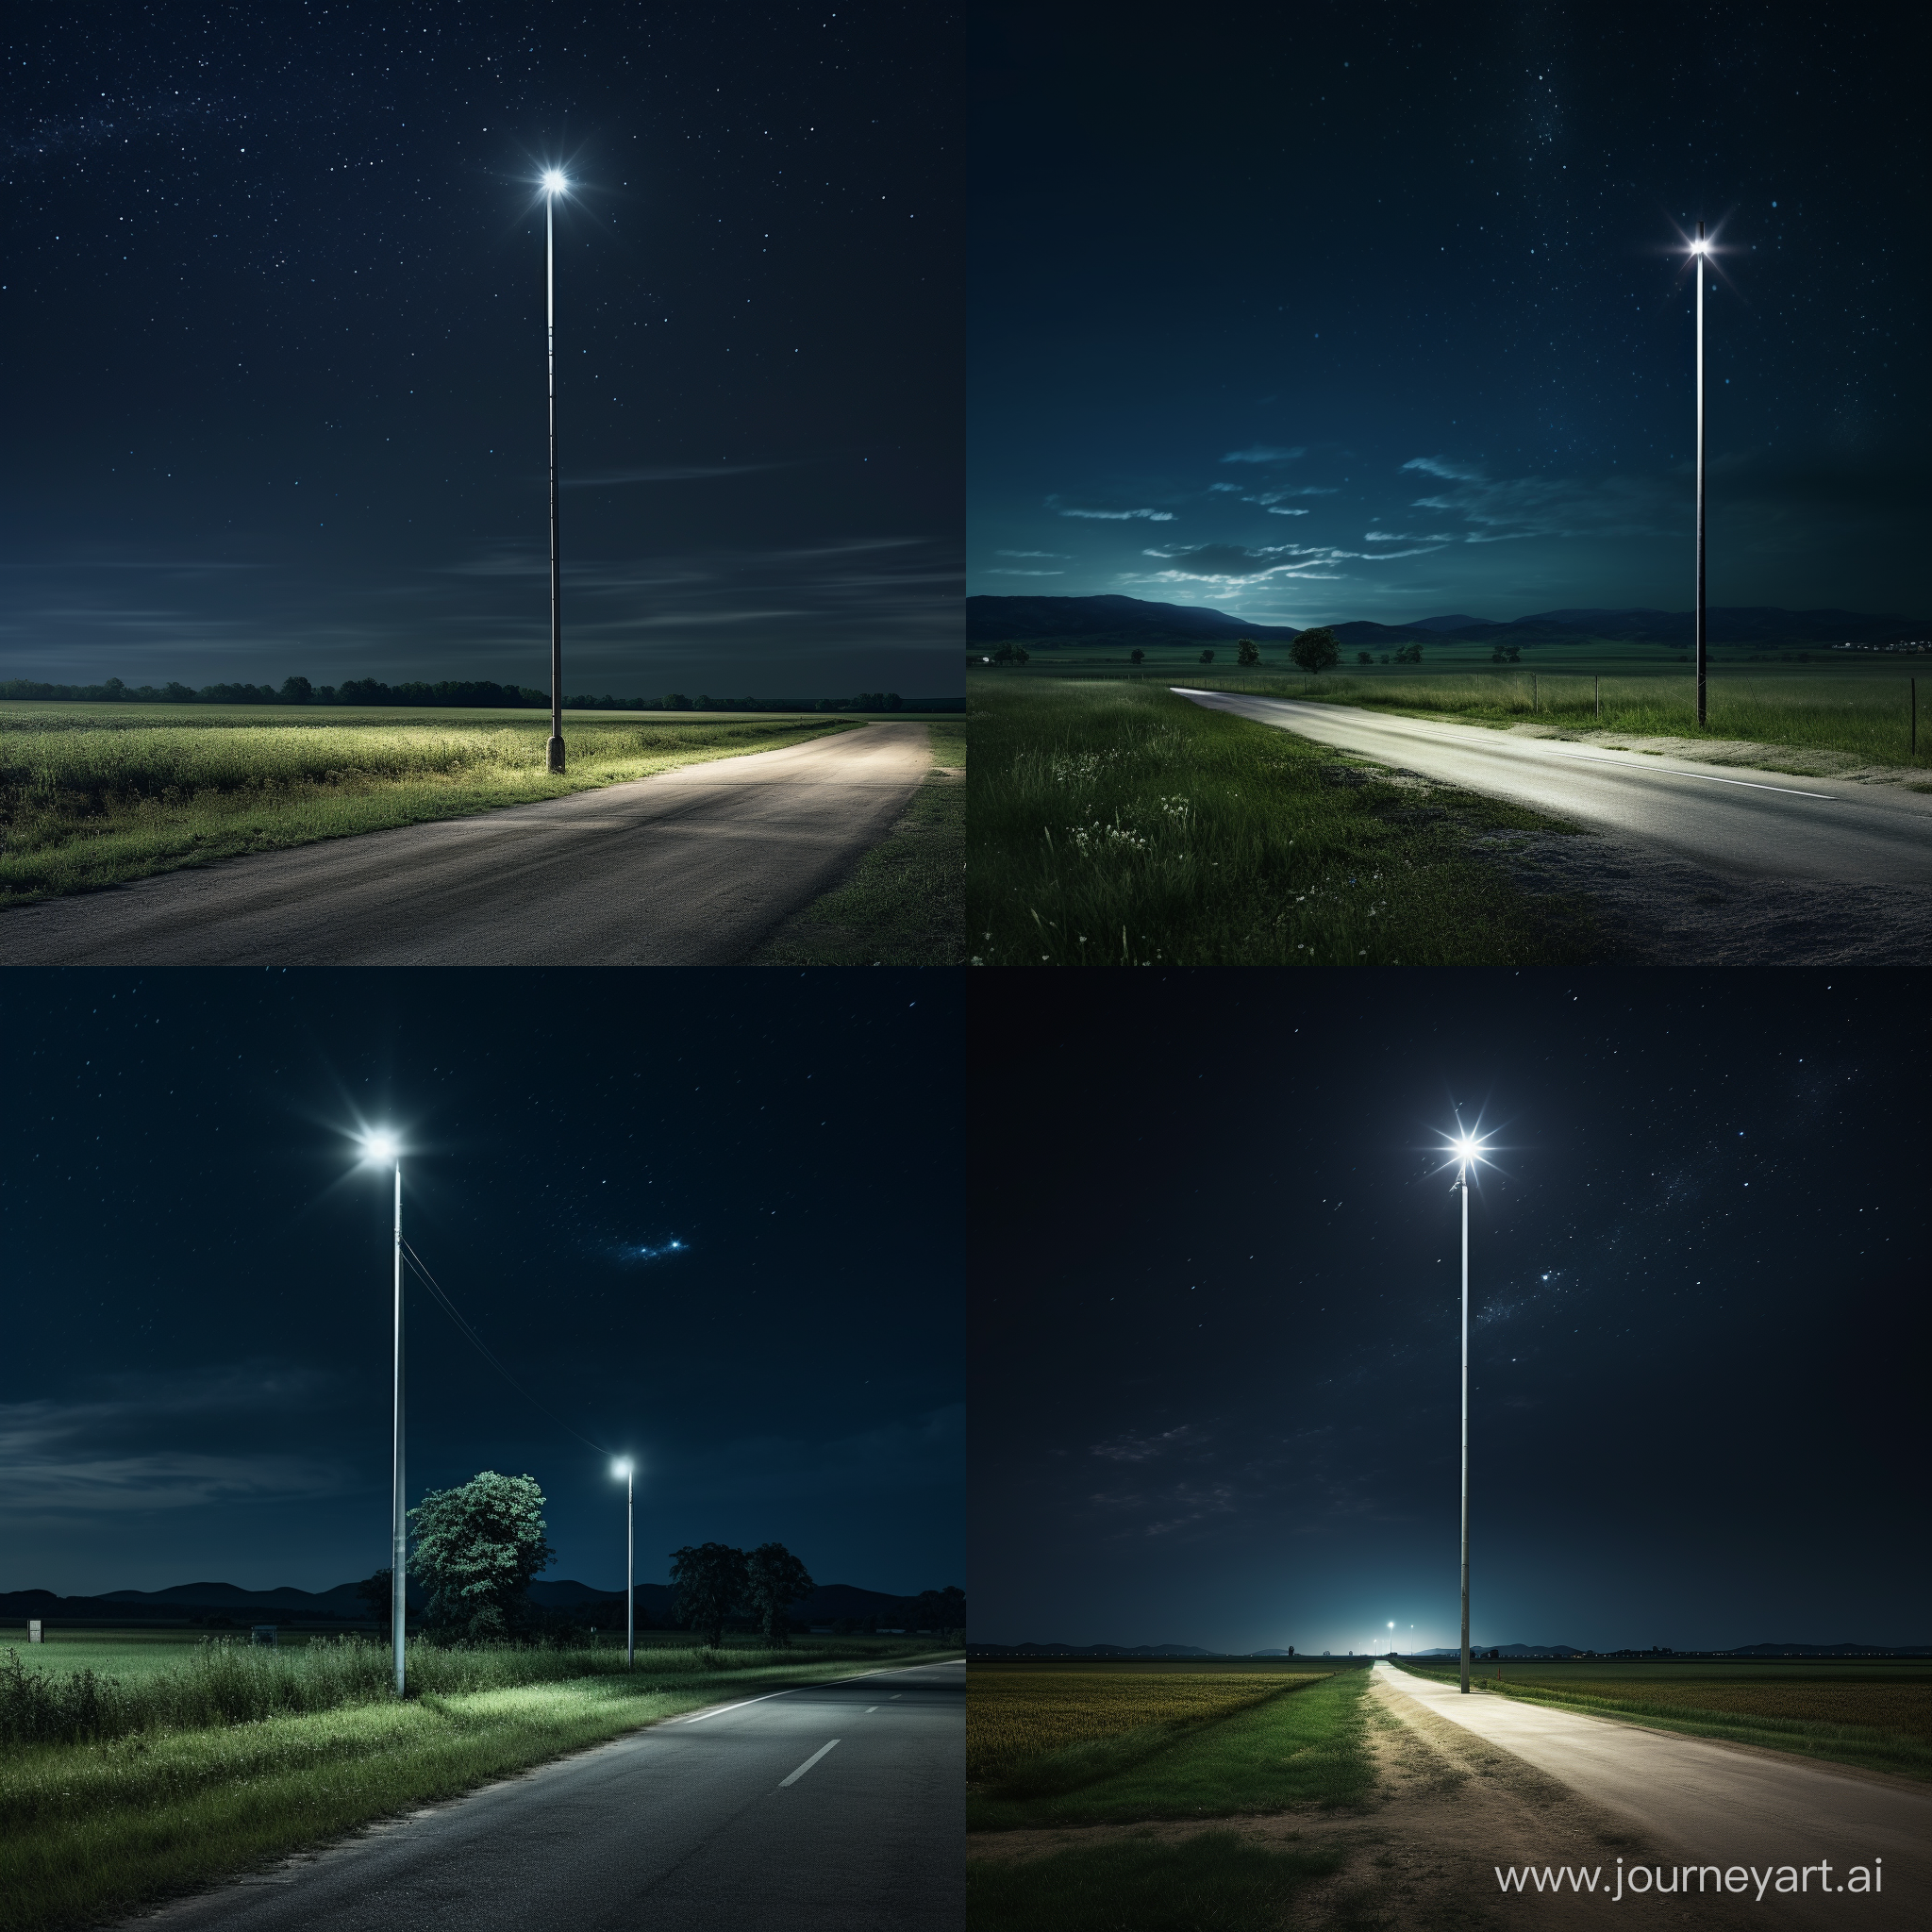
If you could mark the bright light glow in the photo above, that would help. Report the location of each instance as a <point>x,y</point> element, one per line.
<point>554,182</point>
<point>380,1146</point>
<point>1467,1149</point>
<point>622,1468</point>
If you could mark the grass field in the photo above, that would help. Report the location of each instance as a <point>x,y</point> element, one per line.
<point>1113,823</point>
<point>1861,709</point>
<point>1877,1714</point>
<point>1210,1882</point>
<point>905,903</point>
<point>91,795</point>
<point>93,1828</point>
<point>1058,1747</point>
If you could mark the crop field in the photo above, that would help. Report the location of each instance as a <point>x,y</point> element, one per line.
<point>235,1756</point>
<point>1860,710</point>
<point>1878,1713</point>
<point>1092,1745</point>
<point>1114,823</point>
<point>91,795</point>
<point>1014,1716</point>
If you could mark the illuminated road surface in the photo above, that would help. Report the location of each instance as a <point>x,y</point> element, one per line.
<point>834,1808</point>
<point>693,867</point>
<point>1735,821</point>
<point>1716,1804</point>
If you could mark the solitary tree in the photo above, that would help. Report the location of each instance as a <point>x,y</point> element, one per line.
<point>1247,652</point>
<point>775,1580</point>
<point>1206,656</point>
<point>477,1547</point>
<point>1315,649</point>
<point>1137,657</point>
<point>1363,658</point>
<point>712,1583</point>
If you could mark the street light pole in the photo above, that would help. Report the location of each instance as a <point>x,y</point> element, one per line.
<point>399,1537</point>
<point>1462,1182</point>
<point>628,1470</point>
<point>1698,257</point>
<point>552,183</point>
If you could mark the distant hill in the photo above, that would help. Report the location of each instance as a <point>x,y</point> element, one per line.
<point>994,620</point>
<point>1113,619</point>
<point>830,1603</point>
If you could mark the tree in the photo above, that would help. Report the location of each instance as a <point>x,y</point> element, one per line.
<point>713,1582</point>
<point>1409,654</point>
<point>1363,658</point>
<point>296,691</point>
<point>1206,656</point>
<point>1247,652</point>
<point>939,1609</point>
<point>1137,657</point>
<point>374,1591</point>
<point>775,1580</point>
<point>477,1547</point>
<point>1315,649</point>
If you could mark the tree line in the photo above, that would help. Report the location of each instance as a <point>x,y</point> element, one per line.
<point>478,1547</point>
<point>451,693</point>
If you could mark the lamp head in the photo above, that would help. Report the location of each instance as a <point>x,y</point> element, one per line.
<point>622,1467</point>
<point>380,1147</point>
<point>554,181</point>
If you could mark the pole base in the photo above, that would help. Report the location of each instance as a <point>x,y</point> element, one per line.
<point>556,751</point>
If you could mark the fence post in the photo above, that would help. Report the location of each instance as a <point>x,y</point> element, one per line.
<point>1596,688</point>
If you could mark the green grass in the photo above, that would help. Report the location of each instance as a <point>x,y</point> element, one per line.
<point>1306,1746</point>
<point>1114,823</point>
<point>903,906</point>
<point>88,800</point>
<point>1214,1882</point>
<point>91,1830</point>
<point>1861,709</point>
<point>1876,1715</point>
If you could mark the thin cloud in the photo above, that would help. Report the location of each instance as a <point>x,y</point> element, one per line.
<point>1263,453</point>
<point>668,473</point>
<point>1025,573</point>
<point>1121,516</point>
<point>1052,555</point>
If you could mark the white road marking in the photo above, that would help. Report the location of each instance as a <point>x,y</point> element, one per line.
<point>806,1766</point>
<point>885,1671</point>
<point>869,1708</point>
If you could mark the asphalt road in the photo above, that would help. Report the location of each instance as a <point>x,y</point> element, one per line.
<point>833,1807</point>
<point>1732,821</point>
<point>693,867</point>
<point>1722,1805</point>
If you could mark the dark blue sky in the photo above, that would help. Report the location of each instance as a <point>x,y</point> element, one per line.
<point>195,1386</point>
<point>1214,1341</point>
<point>273,302</point>
<point>1331,312</point>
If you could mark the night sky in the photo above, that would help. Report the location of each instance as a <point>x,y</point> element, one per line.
<point>273,304</point>
<point>1334,311</point>
<point>195,1383</point>
<point>1214,1306</point>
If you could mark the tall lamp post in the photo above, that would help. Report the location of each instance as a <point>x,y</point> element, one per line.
<point>1699,252</point>
<point>628,1470</point>
<point>554,184</point>
<point>1467,1150</point>
<point>383,1149</point>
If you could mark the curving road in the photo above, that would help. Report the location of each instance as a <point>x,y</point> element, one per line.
<point>1732,820</point>
<point>833,1807</point>
<point>1714,1803</point>
<point>693,867</point>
